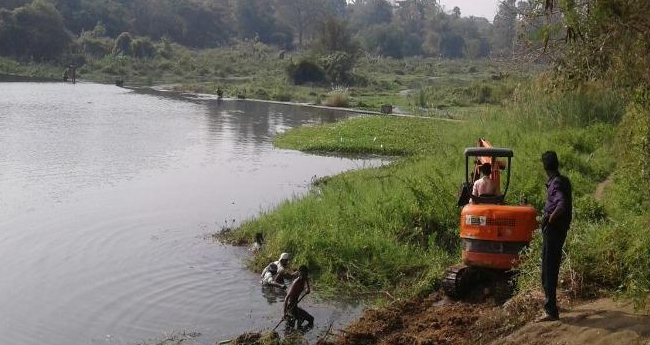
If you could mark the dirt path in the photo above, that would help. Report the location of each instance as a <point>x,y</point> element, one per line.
<point>602,322</point>
<point>599,193</point>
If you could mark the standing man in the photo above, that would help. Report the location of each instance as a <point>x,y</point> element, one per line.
<point>293,314</point>
<point>555,224</point>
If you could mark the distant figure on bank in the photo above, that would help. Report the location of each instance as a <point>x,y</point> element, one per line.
<point>485,185</point>
<point>219,93</point>
<point>294,315</point>
<point>257,245</point>
<point>73,72</point>
<point>66,75</point>
<point>283,269</point>
<point>269,277</point>
<point>555,225</point>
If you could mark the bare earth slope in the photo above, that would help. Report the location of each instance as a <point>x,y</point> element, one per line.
<point>434,320</point>
<point>602,322</point>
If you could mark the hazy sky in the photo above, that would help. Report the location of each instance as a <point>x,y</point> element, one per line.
<point>478,8</point>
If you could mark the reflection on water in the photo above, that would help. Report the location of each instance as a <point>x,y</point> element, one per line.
<point>107,200</point>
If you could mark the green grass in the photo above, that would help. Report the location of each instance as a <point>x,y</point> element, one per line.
<point>256,71</point>
<point>395,227</point>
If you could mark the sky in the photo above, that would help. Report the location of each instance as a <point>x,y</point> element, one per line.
<point>477,8</point>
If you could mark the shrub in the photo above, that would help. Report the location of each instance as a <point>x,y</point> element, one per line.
<point>96,47</point>
<point>306,71</point>
<point>123,45</point>
<point>338,98</point>
<point>143,48</point>
<point>338,67</point>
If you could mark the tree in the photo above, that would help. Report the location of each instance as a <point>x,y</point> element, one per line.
<point>123,45</point>
<point>388,40</point>
<point>299,15</point>
<point>595,40</point>
<point>255,19</point>
<point>369,12</point>
<point>456,12</point>
<point>334,36</point>
<point>33,31</point>
<point>503,36</point>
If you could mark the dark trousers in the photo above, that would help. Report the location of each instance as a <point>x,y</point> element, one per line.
<point>299,315</point>
<point>553,240</point>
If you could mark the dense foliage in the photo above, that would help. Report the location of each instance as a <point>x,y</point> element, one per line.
<point>396,29</point>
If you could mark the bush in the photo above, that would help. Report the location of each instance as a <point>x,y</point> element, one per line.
<point>338,67</point>
<point>143,48</point>
<point>338,100</point>
<point>123,45</point>
<point>306,71</point>
<point>96,47</point>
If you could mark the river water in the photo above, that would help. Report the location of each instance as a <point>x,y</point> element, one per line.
<point>108,198</point>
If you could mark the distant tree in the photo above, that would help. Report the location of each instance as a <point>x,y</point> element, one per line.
<point>83,15</point>
<point>503,35</point>
<point>364,13</point>
<point>452,45</point>
<point>123,44</point>
<point>383,39</point>
<point>98,31</point>
<point>456,12</point>
<point>413,15</point>
<point>33,31</point>
<point>334,36</point>
<point>299,15</point>
<point>255,18</point>
<point>143,48</point>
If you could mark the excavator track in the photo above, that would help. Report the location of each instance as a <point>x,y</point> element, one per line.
<point>460,280</point>
<point>455,282</point>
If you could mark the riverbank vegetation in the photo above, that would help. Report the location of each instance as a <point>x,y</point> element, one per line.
<point>395,227</point>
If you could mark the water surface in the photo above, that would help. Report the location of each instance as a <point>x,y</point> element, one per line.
<point>108,198</point>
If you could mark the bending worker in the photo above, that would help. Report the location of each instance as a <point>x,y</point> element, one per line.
<point>283,269</point>
<point>293,314</point>
<point>269,278</point>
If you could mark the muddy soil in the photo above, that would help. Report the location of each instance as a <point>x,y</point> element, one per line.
<point>437,320</point>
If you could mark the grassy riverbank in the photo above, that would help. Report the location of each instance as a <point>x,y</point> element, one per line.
<point>426,86</point>
<point>395,227</point>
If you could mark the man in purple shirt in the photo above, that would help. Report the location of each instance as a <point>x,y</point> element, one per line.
<point>555,224</point>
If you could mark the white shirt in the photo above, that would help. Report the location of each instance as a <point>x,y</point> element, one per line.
<point>281,269</point>
<point>268,278</point>
<point>485,185</point>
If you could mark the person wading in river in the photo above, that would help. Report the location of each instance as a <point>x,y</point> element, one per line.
<point>269,277</point>
<point>293,314</point>
<point>283,269</point>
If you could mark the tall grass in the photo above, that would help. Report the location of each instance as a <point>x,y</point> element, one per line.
<point>395,227</point>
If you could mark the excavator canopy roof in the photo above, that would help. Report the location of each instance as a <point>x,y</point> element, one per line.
<point>488,152</point>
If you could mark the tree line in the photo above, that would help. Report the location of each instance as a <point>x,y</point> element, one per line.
<point>46,29</point>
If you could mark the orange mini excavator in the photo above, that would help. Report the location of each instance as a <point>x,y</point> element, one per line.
<point>492,233</point>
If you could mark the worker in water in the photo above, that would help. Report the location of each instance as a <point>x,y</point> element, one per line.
<point>283,269</point>
<point>219,93</point>
<point>485,185</point>
<point>294,315</point>
<point>269,277</point>
<point>555,225</point>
